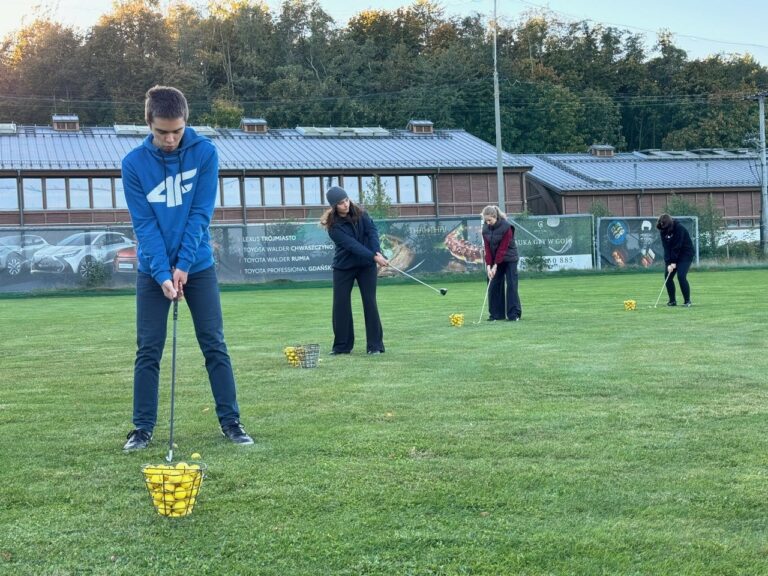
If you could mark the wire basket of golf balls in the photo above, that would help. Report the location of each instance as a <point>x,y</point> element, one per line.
<point>630,304</point>
<point>457,320</point>
<point>302,355</point>
<point>174,489</point>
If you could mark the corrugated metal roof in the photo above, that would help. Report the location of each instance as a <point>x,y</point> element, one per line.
<point>36,147</point>
<point>646,170</point>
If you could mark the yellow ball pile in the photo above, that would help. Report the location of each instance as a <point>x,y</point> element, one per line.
<point>293,354</point>
<point>457,320</point>
<point>630,304</point>
<point>173,489</point>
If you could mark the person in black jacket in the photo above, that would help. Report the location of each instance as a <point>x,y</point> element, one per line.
<point>678,257</point>
<point>501,265</point>
<point>356,257</point>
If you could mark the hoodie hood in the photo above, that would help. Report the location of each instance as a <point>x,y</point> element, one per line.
<point>190,138</point>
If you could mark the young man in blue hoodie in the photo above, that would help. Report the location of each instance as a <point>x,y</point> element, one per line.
<point>170,184</point>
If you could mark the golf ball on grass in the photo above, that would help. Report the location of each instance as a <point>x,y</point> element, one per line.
<point>173,488</point>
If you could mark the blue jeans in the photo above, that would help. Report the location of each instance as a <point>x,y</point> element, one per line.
<point>202,296</point>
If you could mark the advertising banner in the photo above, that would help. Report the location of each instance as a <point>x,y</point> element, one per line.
<point>48,258</point>
<point>627,242</point>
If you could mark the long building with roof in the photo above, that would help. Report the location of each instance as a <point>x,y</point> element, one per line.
<point>640,183</point>
<point>65,174</point>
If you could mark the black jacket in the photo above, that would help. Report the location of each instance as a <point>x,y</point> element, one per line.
<point>677,243</point>
<point>499,241</point>
<point>356,243</point>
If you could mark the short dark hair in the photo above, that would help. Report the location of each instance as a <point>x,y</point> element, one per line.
<point>165,102</point>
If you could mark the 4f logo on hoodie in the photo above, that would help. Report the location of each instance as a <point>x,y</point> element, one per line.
<point>169,191</point>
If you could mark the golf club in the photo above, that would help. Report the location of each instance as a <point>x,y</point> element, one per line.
<point>488,289</point>
<point>662,288</point>
<point>169,458</point>
<point>441,291</point>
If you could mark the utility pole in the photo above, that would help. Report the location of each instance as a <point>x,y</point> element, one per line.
<point>764,178</point>
<point>497,109</point>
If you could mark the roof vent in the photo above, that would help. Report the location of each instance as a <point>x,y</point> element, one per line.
<point>66,122</point>
<point>421,127</point>
<point>131,129</point>
<point>602,150</point>
<point>254,125</point>
<point>7,128</point>
<point>205,130</point>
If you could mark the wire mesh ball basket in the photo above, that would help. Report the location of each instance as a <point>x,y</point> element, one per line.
<point>174,489</point>
<point>302,355</point>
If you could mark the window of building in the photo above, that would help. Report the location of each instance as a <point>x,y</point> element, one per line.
<point>352,186</point>
<point>292,188</point>
<point>217,202</point>
<point>272,195</point>
<point>407,186</point>
<point>102,193</point>
<point>119,194</point>
<point>55,194</point>
<point>252,191</point>
<point>312,191</point>
<point>231,187</point>
<point>389,183</point>
<point>33,193</point>
<point>79,196</point>
<point>424,187</point>
<point>9,199</point>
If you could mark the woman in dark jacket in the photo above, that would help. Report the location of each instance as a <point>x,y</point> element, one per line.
<point>501,265</point>
<point>678,257</point>
<point>356,258</point>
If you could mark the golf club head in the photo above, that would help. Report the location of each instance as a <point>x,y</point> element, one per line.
<point>443,291</point>
<point>169,456</point>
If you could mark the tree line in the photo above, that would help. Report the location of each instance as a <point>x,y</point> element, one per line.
<point>563,85</point>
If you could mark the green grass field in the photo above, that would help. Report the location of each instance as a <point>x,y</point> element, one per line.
<point>583,440</point>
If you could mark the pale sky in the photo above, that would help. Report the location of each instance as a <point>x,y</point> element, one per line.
<point>701,27</point>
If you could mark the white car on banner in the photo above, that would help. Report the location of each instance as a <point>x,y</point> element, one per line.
<point>16,252</point>
<point>83,253</point>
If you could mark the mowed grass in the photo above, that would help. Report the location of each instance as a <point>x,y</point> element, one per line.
<point>583,440</point>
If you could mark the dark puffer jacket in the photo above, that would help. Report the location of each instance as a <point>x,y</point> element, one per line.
<point>499,241</point>
<point>357,242</point>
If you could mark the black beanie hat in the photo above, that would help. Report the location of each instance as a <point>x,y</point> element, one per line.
<point>335,195</point>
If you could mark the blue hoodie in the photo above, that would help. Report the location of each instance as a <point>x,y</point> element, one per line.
<point>171,197</point>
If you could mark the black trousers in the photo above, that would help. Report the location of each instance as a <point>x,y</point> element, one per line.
<point>681,271</point>
<point>501,305</point>
<point>343,324</point>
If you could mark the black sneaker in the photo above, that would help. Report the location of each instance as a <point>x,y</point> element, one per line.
<point>137,440</point>
<point>514,319</point>
<point>688,304</point>
<point>491,319</point>
<point>337,352</point>
<point>236,433</point>
<point>375,351</point>
<point>673,303</point>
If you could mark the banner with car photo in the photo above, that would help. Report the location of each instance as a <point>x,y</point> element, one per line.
<point>40,258</point>
<point>635,241</point>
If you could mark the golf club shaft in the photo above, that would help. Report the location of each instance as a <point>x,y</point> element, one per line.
<point>169,458</point>
<point>485,299</point>
<point>403,272</point>
<point>666,278</point>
